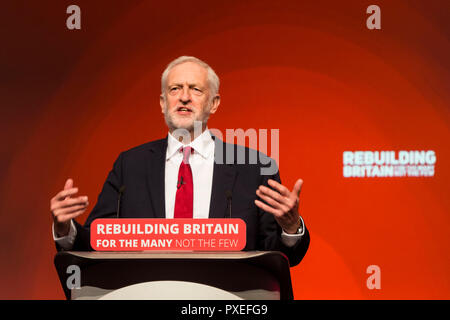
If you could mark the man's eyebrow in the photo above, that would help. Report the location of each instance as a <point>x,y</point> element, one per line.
<point>195,85</point>
<point>190,85</point>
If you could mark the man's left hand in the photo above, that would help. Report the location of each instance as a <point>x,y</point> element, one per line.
<point>281,203</point>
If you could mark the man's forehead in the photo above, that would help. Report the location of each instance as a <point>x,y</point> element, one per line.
<point>188,72</point>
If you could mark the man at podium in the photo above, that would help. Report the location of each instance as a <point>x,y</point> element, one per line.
<point>190,174</point>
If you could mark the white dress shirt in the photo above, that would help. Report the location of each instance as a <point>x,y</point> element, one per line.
<point>201,161</point>
<point>202,166</point>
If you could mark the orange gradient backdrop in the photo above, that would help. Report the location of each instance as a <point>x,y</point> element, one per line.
<point>73,100</point>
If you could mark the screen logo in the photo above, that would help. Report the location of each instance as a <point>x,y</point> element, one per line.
<point>386,164</point>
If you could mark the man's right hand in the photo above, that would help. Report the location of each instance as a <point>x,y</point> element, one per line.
<point>65,207</point>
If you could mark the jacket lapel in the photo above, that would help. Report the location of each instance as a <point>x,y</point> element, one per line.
<point>223,180</point>
<point>156,165</point>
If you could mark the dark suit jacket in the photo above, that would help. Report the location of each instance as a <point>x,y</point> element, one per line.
<point>142,170</point>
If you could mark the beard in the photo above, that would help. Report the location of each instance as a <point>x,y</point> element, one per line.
<point>174,122</point>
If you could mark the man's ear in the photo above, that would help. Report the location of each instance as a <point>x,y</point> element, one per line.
<point>215,104</point>
<point>161,103</point>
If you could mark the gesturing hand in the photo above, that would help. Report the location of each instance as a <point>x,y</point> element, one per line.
<point>281,203</point>
<point>64,208</point>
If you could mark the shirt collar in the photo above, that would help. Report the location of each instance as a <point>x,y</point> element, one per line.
<point>203,145</point>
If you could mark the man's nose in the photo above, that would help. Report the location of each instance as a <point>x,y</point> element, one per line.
<point>185,96</point>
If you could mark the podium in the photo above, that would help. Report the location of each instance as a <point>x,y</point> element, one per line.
<point>252,275</point>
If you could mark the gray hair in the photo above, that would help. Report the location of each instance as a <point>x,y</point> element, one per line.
<point>213,79</point>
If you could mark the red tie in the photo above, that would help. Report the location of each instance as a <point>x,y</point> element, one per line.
<point>184,201</point>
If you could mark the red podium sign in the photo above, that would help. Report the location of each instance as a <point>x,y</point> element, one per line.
<point>168,234</point>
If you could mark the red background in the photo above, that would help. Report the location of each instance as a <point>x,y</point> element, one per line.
<point>71,101</point>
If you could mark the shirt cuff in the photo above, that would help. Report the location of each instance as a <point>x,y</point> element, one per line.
<point>66,242</point>
<point>290,239</point>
